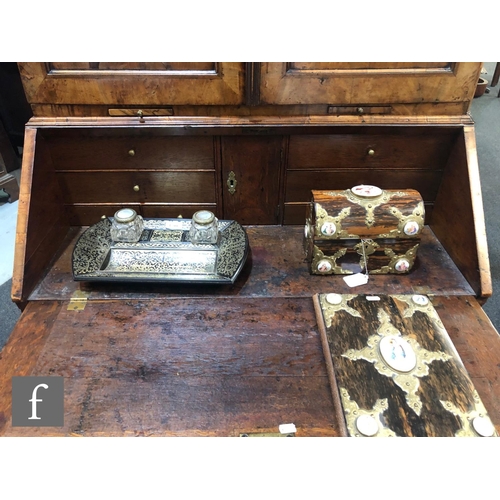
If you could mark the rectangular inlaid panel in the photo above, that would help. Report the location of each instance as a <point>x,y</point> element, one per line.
<point>394,370</point>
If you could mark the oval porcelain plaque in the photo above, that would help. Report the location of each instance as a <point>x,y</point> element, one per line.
<point>483,426</point>
<point>402,265</point>
<point>398,353</point>
<point>328,229</point>
<point>411,228</point>
<point>367,425</point>
<point>366,191</point>
<point>324,266</point>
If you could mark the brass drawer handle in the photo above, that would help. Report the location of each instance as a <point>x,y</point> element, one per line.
<point>136,188</point>
<point>371,152</point>
<point>131,152</point>
<point>231,182</point>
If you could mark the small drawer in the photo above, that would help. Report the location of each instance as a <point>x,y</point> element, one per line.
<point>87,215</point>
<point>299,184</point>
<point>134,153</point>
<point>409,151</point>
<point>138,187</point>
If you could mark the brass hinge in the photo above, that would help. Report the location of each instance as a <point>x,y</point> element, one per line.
<point>78,301</point>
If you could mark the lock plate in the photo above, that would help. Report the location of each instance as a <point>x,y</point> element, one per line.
<point>231,182</point>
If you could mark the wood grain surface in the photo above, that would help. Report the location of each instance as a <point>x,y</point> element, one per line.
<point>204,367</point>
<point>276,267</point>
<point>294,83</point>
<point>384,220</point>
<point>183,367</point>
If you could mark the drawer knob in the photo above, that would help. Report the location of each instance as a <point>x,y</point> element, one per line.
<point>360,110</point>
<point>103,217</point>
<point>131,152</point>
<point>180,216</point>
<point>371,152</point>
<point>136,188</point>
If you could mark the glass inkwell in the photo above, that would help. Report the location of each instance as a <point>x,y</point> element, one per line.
<point>127,226</point>
<point>204,228</point>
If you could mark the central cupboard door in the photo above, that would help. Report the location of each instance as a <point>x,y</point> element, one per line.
<point>251,171</point>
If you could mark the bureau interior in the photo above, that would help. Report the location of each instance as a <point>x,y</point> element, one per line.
<point>73,175</point>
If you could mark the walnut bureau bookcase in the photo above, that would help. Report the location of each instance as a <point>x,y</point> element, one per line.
<point>248,141</point>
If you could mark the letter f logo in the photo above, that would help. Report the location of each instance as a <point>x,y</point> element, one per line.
<point>34,401</point>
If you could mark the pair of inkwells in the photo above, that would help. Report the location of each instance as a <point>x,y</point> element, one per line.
<point>127,227</point>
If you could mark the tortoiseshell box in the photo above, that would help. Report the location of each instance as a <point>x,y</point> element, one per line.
<point>394,370</point>
<point>365,224</point>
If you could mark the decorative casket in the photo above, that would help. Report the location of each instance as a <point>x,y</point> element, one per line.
<point>363,229</point>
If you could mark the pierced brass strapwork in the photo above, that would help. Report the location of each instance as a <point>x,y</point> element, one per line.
<point>361,422</point>
<point>406,380</point>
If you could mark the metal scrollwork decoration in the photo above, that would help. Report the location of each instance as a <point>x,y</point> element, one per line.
<point>405,362</point>
<point>332,303</point>
<point>473,423</point>
<point>369,202</point>
<point>409,225</point>
<point>398,264</point>
<point>361,422</point>
<point>330,227</point>
<point>327,264</point>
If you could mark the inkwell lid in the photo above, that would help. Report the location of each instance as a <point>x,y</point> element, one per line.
<point>203,217</point>
<point>125,215</point>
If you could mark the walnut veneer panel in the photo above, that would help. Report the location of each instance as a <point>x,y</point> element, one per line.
<point>223,84</point>
<point>313,83</point>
